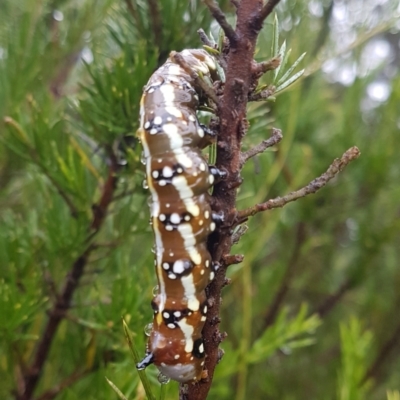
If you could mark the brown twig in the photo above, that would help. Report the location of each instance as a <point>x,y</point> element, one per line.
<point>275,138</point>
<point>135,14</point>
<point>232,115</point>
<point>333,299</point>
<point>289,273</point>
<point>337,166</point>
<point>263,94</point>
<point>383,354</point>
<point>156,21</point>
<point>56,315</point>
<point>69,381</point>
<point>219,16</point>
<point>267,10</point>
<point>63,301</point>
<point>204,38</point>
<point>100,209</point>
<point>261,68</point>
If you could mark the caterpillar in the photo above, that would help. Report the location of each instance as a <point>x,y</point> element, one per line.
<point>178,178</point>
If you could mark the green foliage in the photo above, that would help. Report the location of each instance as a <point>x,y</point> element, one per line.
<point>333,255</point>
<point>355,346</point>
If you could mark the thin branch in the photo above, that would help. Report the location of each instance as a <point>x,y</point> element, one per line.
<point>100,209</point>
<point>267,9</point>
<point>67,382</point>
<point>333,299</point>
<point>156,21</point>
<point>383,354</point>
<point>232,259</point>
<point>135,14</point>
<point>63,302</point>
<point>280,295</point>
<point>259,69</point>
<point>200,82</point>
<point>56,315</point>
<point>275,138</point>
<point>204,38</point>
<point>219,16</point>
<point>318,183</point>
<point>263,94</point>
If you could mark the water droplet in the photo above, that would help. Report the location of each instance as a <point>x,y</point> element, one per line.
<point>156,290</point>
<point>145,185</point>
<point>163,379</point>
<point>143,158</point>
<point>148,328</point>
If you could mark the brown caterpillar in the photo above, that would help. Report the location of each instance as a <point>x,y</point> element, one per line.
<point>178,178</point>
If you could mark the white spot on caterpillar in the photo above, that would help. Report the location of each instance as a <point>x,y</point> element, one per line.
<point>162,217</point>
<point>165,266</point>
<point>206,214</point>
<point>176,356</point>
<point>177,314</point>
<point>201,222</point>
<point>202,272</point>
<point>211,179</point>
<point>151,90</point>
<point>171,254</point>
<point>202,167</point>
<point>157,120</point>
<point>175,218</point>
<point>167,172</point>
<point>155,174</point>
<point>162,182</point>
<point>171,276</point>
<point>212,276</point>
<point>212,226</point>
<point>147,125</point>
<point>205,310</point>
<point>165,315</point>
<point>169,228</point>
<point>179,267</point>
<point>187,218</point>
<point>202,363</point>
<point>192,118</point>
<point>153,131</point>
<point>200,132</point>
<point>207,263</point>
<point>201,348</point>
<point>171,326</point>
<point>203,318</point>
<point>168,205</point>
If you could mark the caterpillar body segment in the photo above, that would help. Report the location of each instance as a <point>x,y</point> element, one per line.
<point>178,178</point>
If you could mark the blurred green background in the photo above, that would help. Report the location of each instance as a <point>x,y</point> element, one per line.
<point>312,312</point>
